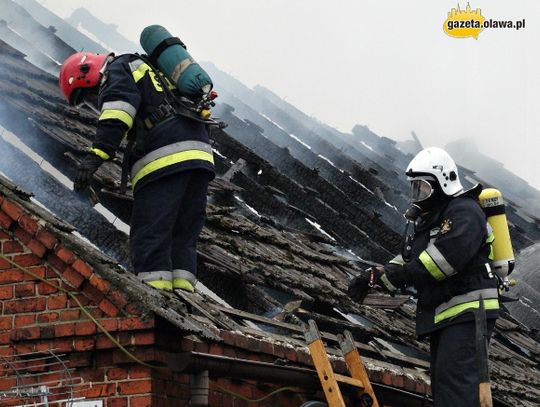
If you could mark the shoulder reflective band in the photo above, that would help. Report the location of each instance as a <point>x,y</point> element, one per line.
<point>431,266</point>
<point>171,154</point>
<point>119,110</point>
<point>100,153</point>
<point>139,69</point>
<point>461,303</point>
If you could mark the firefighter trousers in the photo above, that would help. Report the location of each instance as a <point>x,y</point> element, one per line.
<point>167,217</point>
<point>455,366</point>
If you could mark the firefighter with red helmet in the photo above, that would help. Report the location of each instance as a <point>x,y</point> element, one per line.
<point>171,160</point>
<point>447,260</point>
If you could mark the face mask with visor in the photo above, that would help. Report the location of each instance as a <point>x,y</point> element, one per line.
<point>421,189</point>
<point>86,97</point>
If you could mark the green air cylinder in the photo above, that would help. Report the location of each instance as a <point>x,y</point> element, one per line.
<point>170,56</point>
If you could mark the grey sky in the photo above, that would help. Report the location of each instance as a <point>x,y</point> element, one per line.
<point>387,64</point>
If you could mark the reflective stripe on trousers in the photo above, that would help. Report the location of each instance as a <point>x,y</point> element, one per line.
<point>168,155</point>
<point>460,303</point>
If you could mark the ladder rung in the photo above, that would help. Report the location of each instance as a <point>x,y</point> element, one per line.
<point>349,380</point>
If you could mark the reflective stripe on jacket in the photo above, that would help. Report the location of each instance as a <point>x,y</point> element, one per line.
<point>449,255</point>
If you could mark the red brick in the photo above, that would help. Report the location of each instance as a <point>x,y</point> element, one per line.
<point>117,402</point>
<point>421,388</point>
<point>108,308</point>
<point>29,224</point>
<point>25,305</point>
<point>6,350</point>
<point>100,390</point>
<point>57,301</point>
<point>132,324</point>
<point>47,332</point>
<point>47,317</point>
<point>22,348</point>
<point>56,262</point>
<point>84,344</point>
<point>82,300</point>
<point>145,401</point>
<point>3,235</point>
<point>80,359</point>
<point>5,221</point>
<point>39,272</point>
<point>70,315</point>
<point>12,209</point>
<point>85,328</point>
<point>27,260</point>
<point>6,323</point>
<point>83,268</point>
<point>116,373</point>
<point>37,248</point>
<point>63,345</point>
<point>25,333</point>
<point>6,292</point>
<point>46,238</point>
<point>139,372</point>
<point>216,349</point>
<point>22,235</point>
<point>101,284</point>
<point>25,290</point>
<point>5,337</point>
<point>4,264</point>
<point>387,378</point>
<point>117,298</point>
<point>104,342</point>
<point>24,320</point>
<point>133,309</point>
<point>110,325</point>
<point>11,276</point>
<point>72,277</point>
<point>144,338</point>
<point>62,330</point>
<point>135,387</point>
<point>186,345</point>
<point>46,289</point>
<point>66,255</point>
<point>12,246</point>
<point>92,292</point>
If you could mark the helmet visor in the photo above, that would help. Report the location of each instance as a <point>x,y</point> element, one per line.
<point>420,190</point>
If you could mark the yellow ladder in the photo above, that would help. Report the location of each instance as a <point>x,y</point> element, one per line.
<point>330,380</point>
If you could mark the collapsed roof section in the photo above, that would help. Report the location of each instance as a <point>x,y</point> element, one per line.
<point>281,241</point>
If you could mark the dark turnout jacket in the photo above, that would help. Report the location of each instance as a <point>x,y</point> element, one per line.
<point>130,92</point>
<point>449,266</point>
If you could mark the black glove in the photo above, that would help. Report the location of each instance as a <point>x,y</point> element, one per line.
<point>369,278</point>
<point>360,285</point>
<point>88,166</point>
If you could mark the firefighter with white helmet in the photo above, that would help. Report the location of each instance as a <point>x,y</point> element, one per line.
<point>446,259</point>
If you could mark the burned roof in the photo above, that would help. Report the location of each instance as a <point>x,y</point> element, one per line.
<point>279,246</point>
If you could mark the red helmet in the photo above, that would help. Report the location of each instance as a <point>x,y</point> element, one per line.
<point>80,70</point>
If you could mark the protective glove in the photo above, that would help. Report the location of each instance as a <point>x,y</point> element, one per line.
<point>369,278</point>
<point>88,166</point>
<point>360,285</point>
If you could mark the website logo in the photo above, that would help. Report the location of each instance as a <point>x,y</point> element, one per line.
<point>470,23</point>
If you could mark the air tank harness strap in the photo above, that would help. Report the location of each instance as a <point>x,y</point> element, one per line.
<point>134,147</point>
<point>162,46</point>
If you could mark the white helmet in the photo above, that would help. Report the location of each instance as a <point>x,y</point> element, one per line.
<point>435,163</point>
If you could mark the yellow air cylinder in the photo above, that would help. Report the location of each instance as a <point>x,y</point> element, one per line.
<point>492,202</point>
